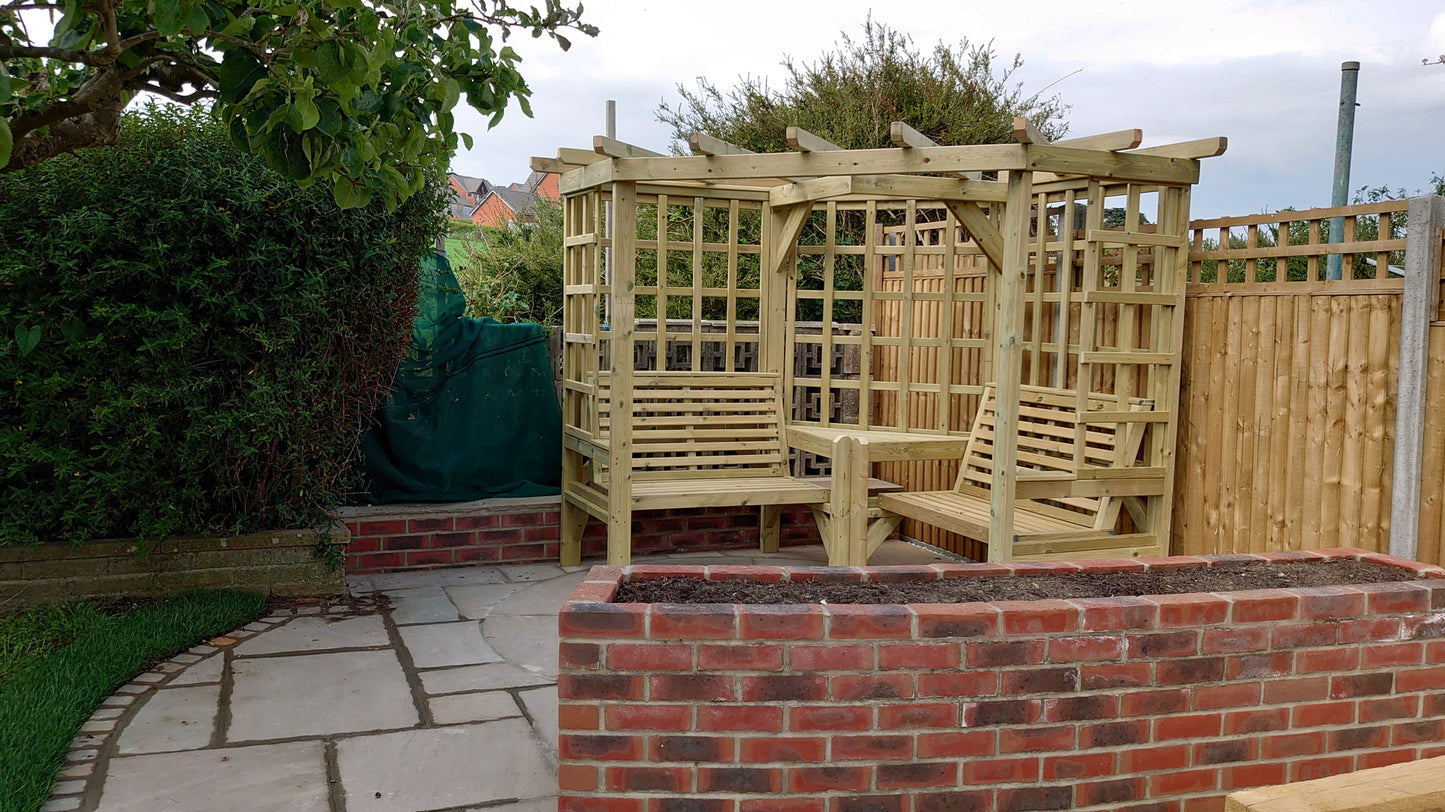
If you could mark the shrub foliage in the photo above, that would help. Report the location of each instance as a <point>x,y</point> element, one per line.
<point>190,343</point>
<point>513,272</point>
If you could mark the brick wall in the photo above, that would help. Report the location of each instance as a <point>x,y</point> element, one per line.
<point>280,562</point>
<point>1164,703</point>
<point>513,531</point>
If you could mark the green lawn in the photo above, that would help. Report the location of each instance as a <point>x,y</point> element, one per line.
<point>57,664</point>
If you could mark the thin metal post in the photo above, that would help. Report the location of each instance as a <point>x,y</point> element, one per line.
<point>1344,147</point>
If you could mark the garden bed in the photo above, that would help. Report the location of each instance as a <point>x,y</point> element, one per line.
<point>1167,702</point>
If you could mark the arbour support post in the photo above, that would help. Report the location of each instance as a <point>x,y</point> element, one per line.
<point>1008,363</point>
<point>623,315</point>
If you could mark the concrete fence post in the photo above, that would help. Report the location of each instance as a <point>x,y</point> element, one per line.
<point>1425,219</point>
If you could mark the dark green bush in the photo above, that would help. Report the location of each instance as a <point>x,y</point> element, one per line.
<point>188,342</point>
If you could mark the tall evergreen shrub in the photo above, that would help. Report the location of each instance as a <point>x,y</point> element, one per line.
<point>188,342</point>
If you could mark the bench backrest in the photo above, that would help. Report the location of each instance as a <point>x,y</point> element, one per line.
<point>1048,420</point>
<point>702,425</point>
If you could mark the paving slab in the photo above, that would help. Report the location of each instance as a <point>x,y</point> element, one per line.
<point>541,705</point>
<point>455,576</point>
<point>289,776</point>
<point>537,805</point>
<point>173,719</point>
<point>454,709</point>
<point>488,677</point>
<point>544,598</point>
<point>437,645</point>
<point>524,573</point>
<point>527,640</point>
<point>476,601</point>
<point>318,694</point>
<point>443,767</point>
<point>428,604</point>
<point>207,670</point>
<point>317,633</point>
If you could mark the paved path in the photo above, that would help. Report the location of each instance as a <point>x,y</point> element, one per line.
<point>430,690</point>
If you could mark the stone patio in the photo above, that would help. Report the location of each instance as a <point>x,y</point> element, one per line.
<point>431,690</point>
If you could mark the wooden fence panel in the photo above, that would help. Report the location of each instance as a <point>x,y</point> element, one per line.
<point>1287,420</point>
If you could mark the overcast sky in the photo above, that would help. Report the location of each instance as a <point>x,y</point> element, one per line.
<point>1264,74</point>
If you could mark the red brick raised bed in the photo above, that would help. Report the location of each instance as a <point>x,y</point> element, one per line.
<point>1161,703</point>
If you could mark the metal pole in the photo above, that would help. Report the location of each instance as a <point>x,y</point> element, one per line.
<point>1344,146</point>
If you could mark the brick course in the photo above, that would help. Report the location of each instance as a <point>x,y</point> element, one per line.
<point>1092,704</point>
<point>520,531</point>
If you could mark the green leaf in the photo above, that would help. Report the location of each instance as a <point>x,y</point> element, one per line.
<point>467,139</point>
<point>309,114</point>
<point>239,27</point>
<point>239,72</point>
<point>283,153</point>
<point>198,20</point>
<point>28,338</point>
<point>349,195</point>
<point>451,92</point>
<point>168,17</point>
<point>330,66</point>
<point>291,117</point>
<point>330,121</point>
<point>369,102</point>
<point>7,142</point>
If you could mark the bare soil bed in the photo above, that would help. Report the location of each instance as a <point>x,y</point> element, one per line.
<point>1221,577</point>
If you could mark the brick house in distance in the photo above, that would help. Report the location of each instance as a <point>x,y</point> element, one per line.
<point>463,195</point>
<point>483,203</point>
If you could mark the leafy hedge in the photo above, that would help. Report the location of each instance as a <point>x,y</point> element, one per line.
<point>188,342</point>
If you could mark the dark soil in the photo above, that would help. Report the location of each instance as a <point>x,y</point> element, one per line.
<point>1222,577</point>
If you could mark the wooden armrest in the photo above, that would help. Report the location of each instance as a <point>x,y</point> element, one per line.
<point>1044,484</point>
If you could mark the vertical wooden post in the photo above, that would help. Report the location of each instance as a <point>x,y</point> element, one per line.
<point>775,314</point>
<point>848,503</point>
<point>1008,363</point>
<point>1426,217</point>
<point>624,322</point>
<point>1171,270</point>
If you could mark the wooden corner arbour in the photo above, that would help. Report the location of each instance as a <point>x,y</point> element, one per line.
<point>1016,269</point>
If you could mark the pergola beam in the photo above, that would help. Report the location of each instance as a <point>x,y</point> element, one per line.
<point>1119,166</point>
<point>613,148</point>
<point>1026,133</point>
<point>894,186</point>
<point>1138,166</point>
<point>704,144</point>
<point>804,141</point>
<point>1201,148</point>
<point>1109,142</point>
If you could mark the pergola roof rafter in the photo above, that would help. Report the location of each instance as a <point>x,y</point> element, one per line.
<point>736,168</point>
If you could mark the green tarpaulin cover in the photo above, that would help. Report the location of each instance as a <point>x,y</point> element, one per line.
<point>474,413</point>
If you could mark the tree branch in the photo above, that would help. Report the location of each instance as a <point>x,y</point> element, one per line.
<point>200,93</point>
<point>46,52</point>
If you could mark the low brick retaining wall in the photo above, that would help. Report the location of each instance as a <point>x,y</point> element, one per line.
<point>1160,703</point>
<point>280,562</point>
<point>392,538</point>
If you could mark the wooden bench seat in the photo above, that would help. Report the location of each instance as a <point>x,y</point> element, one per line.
<point>695,440</point>
<point>1063,509</point>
